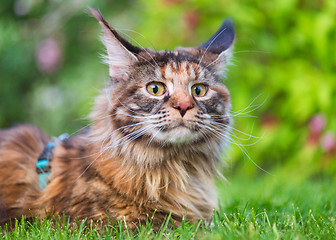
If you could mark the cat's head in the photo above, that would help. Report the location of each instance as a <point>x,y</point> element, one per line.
<point>167,97</point>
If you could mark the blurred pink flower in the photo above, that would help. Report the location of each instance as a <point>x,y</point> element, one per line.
<point>328,142</point>
<point>317,124</point>
<point>191,18</point>
<point>269,120</point>
<point>48,56</point>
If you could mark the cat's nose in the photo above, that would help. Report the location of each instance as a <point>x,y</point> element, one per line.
<point>183,108</point>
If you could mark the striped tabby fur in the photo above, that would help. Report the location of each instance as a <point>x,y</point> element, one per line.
<point>144,154</point>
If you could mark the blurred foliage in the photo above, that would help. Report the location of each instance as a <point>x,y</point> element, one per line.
<point>283,70</point>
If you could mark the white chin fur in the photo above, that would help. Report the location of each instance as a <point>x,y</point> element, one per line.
<point>176,135</point>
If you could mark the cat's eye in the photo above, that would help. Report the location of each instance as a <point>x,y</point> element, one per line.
<point>156,88</point>
<point>198,90</point>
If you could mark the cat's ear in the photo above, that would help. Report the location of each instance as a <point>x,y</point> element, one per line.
<point>121,53</point>
<point>220,45</point>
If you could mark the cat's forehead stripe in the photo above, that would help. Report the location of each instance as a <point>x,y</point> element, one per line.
<point>183,70</point>
<point>169,72</point>
<point>192,71</point>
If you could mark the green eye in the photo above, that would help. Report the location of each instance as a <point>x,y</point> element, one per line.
<point>156,88</point>
<point>198,90</point>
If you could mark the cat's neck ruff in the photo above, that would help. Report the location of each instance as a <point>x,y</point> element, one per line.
<point>181,178</point>
<point>153,173</point>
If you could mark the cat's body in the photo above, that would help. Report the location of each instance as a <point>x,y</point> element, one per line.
<point>157,134</point>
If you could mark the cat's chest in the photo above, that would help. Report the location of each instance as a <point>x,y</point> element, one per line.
<point>198,202</point>
<point>104,183</point>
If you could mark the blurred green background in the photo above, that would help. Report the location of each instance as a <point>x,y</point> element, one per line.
<point>282,79</point>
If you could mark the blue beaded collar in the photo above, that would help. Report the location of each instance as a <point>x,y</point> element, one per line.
<point>43,163</point>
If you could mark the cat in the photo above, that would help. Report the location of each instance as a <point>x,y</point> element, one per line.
<point>157,134</point>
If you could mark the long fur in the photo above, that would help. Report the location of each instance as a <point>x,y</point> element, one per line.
<point>141,157</point>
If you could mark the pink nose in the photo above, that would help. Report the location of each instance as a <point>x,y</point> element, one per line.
<point>183,108</point>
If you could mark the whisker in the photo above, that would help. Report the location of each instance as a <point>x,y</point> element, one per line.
<point>110,134</point>
<point>204,136</point>
<point>91,123</point>
<point>252,51</point>
<point>92,161</point>
<point>131,110</point>
<point>249,136</point>
<point>132,136</point>
<point>230,128</point>
<point>77,131</point>
<point>251,106</point>
<point>152,137</point>
<point>152,117</point>
<point>244,115</point>
<point>242,148</point>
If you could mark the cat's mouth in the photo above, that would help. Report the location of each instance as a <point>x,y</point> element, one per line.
<point>180,125</point>
<point>178,133</point>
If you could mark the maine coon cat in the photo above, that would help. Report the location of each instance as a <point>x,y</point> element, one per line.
<point>157,133</point>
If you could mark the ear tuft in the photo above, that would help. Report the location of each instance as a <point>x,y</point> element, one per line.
<point>222,39</point>
<point>218,49</point>
<point>121,53</point>
<point>97,14</point>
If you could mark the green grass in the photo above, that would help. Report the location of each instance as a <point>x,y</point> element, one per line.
<point>266,208</point>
